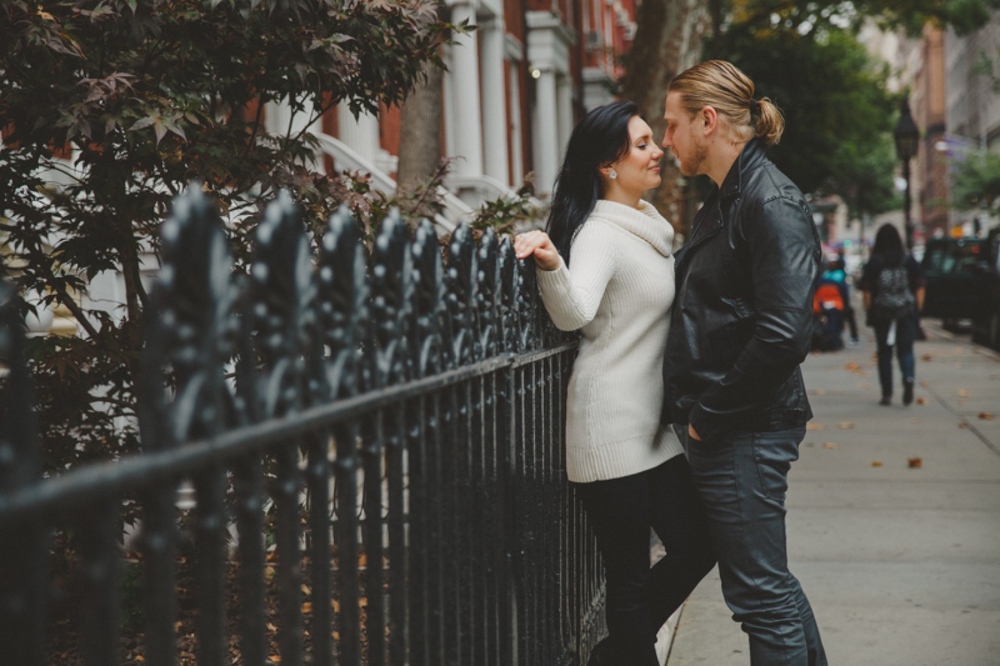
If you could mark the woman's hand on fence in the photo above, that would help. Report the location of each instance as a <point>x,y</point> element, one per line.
<point>539,244</point>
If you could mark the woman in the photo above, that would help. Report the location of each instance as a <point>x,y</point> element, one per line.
<point>628,469</point>
<point>893,286</point>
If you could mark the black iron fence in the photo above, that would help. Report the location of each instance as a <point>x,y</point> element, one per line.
<point>373,442</point>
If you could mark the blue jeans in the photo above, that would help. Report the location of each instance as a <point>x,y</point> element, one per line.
<point>742,480</point>
<point>639,598</point>
<point>906,334</point>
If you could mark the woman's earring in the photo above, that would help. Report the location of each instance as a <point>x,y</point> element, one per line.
<point>613,174</point>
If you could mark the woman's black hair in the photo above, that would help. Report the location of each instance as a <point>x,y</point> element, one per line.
<point>889,245</point>
<point>601,138</point>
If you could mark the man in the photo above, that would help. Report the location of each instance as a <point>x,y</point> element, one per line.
<point>740,328</point>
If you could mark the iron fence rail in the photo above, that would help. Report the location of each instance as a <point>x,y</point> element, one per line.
<point>374,443</point>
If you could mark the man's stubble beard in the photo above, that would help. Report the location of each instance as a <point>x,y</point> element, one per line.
<point>694,166</point>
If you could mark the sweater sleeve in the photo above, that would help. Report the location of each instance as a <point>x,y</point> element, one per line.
<point>572,297</point>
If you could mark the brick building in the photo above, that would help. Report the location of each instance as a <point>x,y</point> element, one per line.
<point>514,89</point>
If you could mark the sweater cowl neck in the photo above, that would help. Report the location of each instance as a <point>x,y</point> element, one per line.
<point>644,222</point>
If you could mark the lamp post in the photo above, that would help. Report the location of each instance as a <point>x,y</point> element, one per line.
<point>907,138</point>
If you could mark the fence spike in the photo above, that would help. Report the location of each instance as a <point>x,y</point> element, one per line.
<point>487,297</point>
<point>342,304</point>
<point>428,301</point>
<point>391,303</point>
<point>282,294</point>
<point>461,280</point>
<point>195,333</point>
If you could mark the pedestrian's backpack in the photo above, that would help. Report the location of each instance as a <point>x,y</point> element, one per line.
<point>828,297</point>
<point>893,298</point>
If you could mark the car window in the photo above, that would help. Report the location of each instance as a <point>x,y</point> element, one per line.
<point>952,257</point>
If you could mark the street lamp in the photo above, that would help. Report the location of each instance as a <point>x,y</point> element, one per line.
<point>907,141</point>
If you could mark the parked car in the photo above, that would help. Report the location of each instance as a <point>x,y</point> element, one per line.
<point>986,320</point>
<point>955,270</point>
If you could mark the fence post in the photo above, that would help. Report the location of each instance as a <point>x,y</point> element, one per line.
<point>427,349</point>
<point>22,555</point>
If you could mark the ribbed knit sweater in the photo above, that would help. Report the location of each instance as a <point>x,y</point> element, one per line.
<point>618,294</point>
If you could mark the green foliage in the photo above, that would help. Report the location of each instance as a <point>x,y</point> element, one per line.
<point>838,115</point>
<point>505,215</point>
<point>145,96</point>
<point>808,16</point>
<point>976,181</point>
<point>985,67</point>
<point>864,177</point>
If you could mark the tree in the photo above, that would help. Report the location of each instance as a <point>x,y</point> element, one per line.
<point>976,181</point>
<point>145,96</point>
<point>808,16</point>
<point>805,56</point>
<point>838,114</point>
<point>786,46</point>
<point>668,34</point>
<point>420,139</point>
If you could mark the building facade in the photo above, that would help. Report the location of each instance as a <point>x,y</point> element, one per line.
<point>973,106</point>
<point>514,89</point>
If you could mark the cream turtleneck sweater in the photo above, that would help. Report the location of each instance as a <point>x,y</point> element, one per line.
<point>618,294</point>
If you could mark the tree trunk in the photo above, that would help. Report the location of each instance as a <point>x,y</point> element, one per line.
<point>668,40</point>
<point>420,130</point>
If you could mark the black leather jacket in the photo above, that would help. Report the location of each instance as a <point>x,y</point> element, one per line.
<point>741,317</point>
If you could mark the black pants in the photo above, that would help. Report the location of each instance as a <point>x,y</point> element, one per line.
<point>742,479</point>
<point>851,320</point>
<point>639,598</point>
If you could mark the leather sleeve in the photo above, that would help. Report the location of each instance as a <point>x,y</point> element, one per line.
<point>784,262</point>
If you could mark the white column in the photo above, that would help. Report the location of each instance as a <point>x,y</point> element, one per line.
<point>516,134</point>
<point>468,142</point>
<point>546,132</point>
<point>564,93</point>
<point>495,130</point>
<point>548,60</point>
<point>361,134</point>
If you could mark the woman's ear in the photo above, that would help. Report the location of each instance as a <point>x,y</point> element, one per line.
<point>606,170</point>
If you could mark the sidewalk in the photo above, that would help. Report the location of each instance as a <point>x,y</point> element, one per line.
<point>901,564</point>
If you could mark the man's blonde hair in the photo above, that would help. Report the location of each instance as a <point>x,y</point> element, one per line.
<point>722,86</point>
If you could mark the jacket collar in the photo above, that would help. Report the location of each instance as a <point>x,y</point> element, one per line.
<point>644,222</point>
<point>749,159</point>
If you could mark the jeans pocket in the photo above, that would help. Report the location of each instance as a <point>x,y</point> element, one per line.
<point>773,460</point>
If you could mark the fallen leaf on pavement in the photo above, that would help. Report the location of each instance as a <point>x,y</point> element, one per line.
<point>829,445</point>
<point>963,424</point>
<point>914,463</point>
<point>925,383</point>
<point>921,401</point>
<point>927,357</point>
<point>876,463</point>
<point>815,426</point>
<point>853,366</point>
<point>986,416</point>
<point>962,393</point>
<point>820,391</point>
<point>845,426</point>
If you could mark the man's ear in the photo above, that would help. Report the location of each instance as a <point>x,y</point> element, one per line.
<point>709,118</point>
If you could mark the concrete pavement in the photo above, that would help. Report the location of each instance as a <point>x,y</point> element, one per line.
<point>900,557</point>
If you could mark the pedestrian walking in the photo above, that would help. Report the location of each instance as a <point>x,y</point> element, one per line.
<point>606,268</point>
<point>830,301</point>
<point>849,315</point>
<point>740,329</point>
<point>892,284</point>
